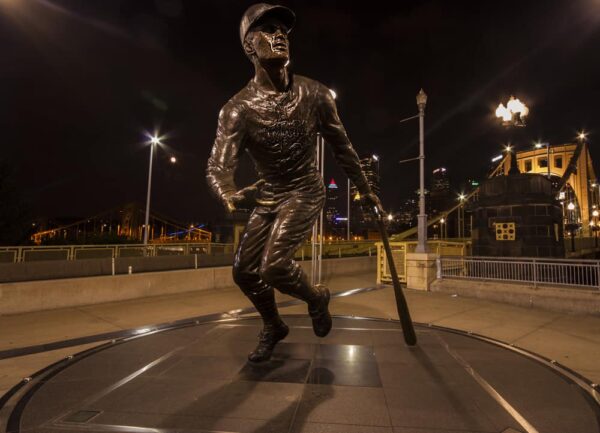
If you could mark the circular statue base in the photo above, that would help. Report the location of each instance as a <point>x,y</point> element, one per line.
<point>361,378</point>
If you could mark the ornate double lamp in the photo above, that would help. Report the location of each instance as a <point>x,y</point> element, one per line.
<point>514,113</point>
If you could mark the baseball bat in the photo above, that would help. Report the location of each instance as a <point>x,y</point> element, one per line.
<point>407,326</point>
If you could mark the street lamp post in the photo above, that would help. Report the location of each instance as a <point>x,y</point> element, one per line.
<point>422,219</point>
<point>461,216</point>
<point>154,140</point>
<point>547,146</point>
<point>572,224</point>
<point>595,227</point>
<point>348,213</point>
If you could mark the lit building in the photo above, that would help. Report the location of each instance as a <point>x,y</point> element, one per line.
<point>407,215</point>
<point>332,203</point>
<point>441,197</point>
<point>362,222</point>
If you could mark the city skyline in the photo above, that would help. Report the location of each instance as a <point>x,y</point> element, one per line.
<point>77,118</point>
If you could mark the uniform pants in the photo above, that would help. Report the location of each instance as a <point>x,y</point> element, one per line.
<point>265,256</point>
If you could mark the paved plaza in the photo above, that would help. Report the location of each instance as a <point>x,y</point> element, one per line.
<point>571,340</point>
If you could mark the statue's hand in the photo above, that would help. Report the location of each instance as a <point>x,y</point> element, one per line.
<point>372,202</point>
<point>246,196</point>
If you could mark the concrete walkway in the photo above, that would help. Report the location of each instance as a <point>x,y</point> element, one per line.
<point>572,340</point>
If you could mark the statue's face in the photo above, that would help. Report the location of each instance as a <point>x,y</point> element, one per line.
<point>269,40</point>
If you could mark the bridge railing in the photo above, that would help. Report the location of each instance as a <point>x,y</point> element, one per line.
<point>78,252</point>
<point>35,253</point>
<point>534,271</point>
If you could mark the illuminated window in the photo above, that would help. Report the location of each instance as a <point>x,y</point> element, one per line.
<point>528,165</point>
<point>542,162</point>
<point>558,161</point>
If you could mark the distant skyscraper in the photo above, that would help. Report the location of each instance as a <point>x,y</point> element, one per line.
<point>440,198</point>
<point>370,166</point>
<point>332,203</point>
<point>362,221</point>
<point>407,215</point>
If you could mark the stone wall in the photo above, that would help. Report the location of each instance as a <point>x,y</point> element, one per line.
<point>20,297</point>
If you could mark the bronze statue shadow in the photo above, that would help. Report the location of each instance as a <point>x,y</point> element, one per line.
<point>233,400</point>
<point>296,415</point>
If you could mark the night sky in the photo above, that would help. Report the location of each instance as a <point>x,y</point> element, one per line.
<point>82,80</point>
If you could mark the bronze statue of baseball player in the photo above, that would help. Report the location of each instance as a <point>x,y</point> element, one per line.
<point>275,118</point>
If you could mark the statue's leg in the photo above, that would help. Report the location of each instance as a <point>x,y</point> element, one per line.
<point>245,274</point>
<point>290,229</point>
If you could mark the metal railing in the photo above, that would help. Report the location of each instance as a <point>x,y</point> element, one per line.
<point>535,271</point>
<point>77,252</point>
<point>331,249</point>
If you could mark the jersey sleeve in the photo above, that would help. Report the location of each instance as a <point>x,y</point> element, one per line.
<point>226,149</point>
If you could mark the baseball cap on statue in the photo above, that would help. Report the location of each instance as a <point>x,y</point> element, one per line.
<point>259,10</point>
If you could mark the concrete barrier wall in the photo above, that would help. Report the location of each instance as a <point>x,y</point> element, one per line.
<point>55,269</point>
<point>21,297</point>
<point>552,298</point>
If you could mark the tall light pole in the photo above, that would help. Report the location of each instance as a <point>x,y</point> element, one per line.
<point>547,146</point>
<point>154,140</point>
<point>348,212</point>
<point>595,227</point>
<point>422,218</point>
<point>442,227</point>
<point>461,216</point>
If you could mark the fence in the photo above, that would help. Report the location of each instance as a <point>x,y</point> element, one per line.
<point>401,249</point>
<point>72,261</point>
<point>78,252</point>
<point>535,271</point>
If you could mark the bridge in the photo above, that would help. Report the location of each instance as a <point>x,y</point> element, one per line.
<point>580,185</point>
<point>122,223</point>
<point>569,167</point>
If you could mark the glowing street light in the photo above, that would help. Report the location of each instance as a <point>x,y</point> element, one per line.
<point>582,135</point>
<point>513,113</point>
<point>461,215</point>
<point>173,160</point>
<point>571,206</point>
<point>442,227</point>
<point>154,140</point>
<point>539,145</point>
